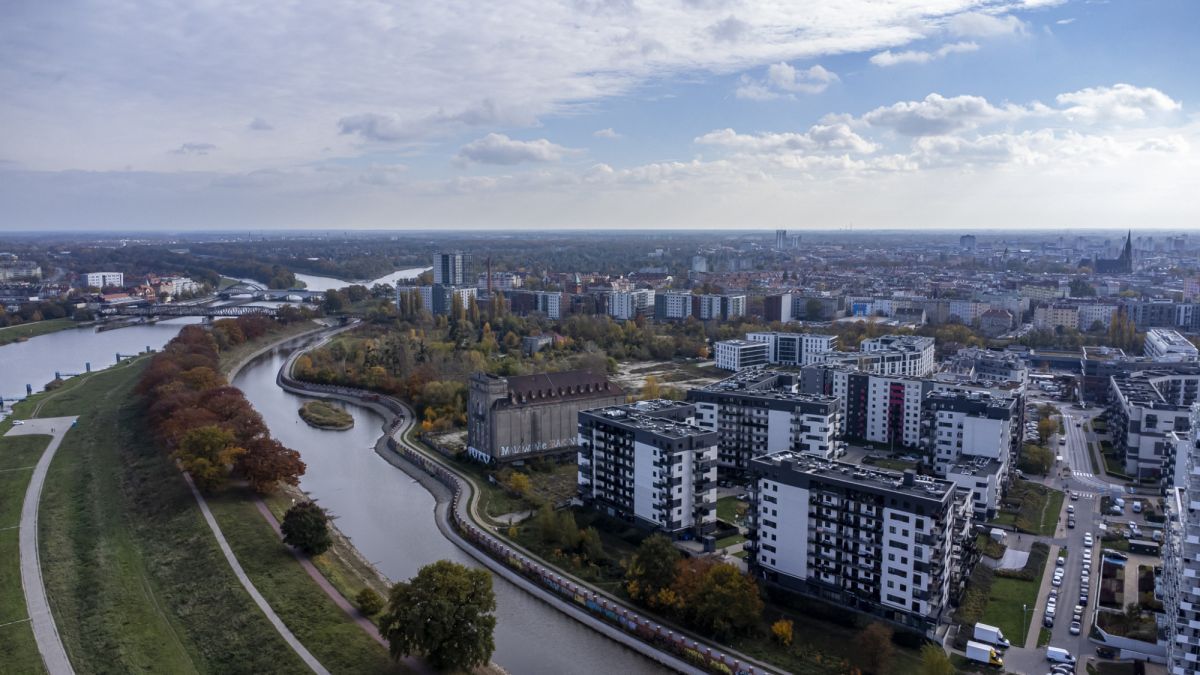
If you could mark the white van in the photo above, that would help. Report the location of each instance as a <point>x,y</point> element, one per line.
<point>1059,655</point>
<point>1137,507</point>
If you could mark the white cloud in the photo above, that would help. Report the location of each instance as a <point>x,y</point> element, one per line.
<point>937,115</point>
<point>502,150</point>
<point>1065,22</point>
<point>384,73</point>
<point>194,149</point>
<point>1118,103</point>
<point>259,124</point>
<point>606,133</point>
<point>981,25</point>
<point>819,138</point>
<point>890,58</point>
<point>783,79</point>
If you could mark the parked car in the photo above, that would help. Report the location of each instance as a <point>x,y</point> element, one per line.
<point>1070,508</point>
<point>1070,523</point>
<point>17,423</point>
<point>1074,496</point>
<point>1075,628</point>
<point>1061,561</point>
<point>1087,539</point>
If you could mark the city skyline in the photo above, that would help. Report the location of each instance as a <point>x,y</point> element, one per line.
<point>964,114</point>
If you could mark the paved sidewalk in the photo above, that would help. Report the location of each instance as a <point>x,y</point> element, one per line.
<point>301,651</point>
<point>45,631</point>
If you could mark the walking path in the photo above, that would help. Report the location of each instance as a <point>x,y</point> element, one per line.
<point>259,600</point>
<point>45,631</point>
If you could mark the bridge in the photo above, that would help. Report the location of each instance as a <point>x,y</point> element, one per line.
<point>191,310</point>
<point>259,293</point>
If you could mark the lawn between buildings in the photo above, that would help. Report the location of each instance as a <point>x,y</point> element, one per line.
<point>18,455</point>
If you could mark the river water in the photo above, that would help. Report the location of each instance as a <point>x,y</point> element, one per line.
<point>389,516</point>
<point>68,351</point>
<point>313,282</point>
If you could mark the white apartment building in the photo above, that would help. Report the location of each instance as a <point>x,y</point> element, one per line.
<point>103,279</point>
<point>738,355</point>
<point>675,304</point>
<point>647,463</point>
<point>1163,344</point>
<point>1147,409</point>
<point>909,355</point>
<point>501,281</point>
<point>984,480</point>
<point>1181,561</point>
<point>723,307</point>
<point>879,542</point>
<point>1093,312</point>
<point>1053,316</point>
<point>875,408</point>
<point>759,412</point>
<point>963,427</point>
<point>795,349</point>
<point>627,305</point>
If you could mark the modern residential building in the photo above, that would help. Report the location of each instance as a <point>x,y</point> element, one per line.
<point>795,349</point>
<point>875,408</point>
<point>759,412</point>
<point>900,355</point>
<point>647,463</point>
<point>14,269</point>
<point>105,279</point>
<point>673,305</point>
<point>499,281</point>
<point>778,308</point>
<point>719,307</point>
<point>986,365</point>
<point>1167,345</point>
<point>451,269</point>
<point>1146,409</point>
<point>627,305</point>
<point>738,355</point>
<point>888,544</point>
<point>985,480</point>
<point>1181,561</point>
<point>516,418</point>
<point>522,302</point>
<point>439,299</point>
<point>968,426</point>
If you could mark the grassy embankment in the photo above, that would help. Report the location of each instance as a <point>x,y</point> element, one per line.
<point>325,415</point>
<point>29,330</point>
<point>136,581</point>
<point>18,455</point>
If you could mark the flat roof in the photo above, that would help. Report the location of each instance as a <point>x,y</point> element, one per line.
<point>794,467</point>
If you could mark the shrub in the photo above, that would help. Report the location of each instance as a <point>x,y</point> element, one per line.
<point>369,602</point>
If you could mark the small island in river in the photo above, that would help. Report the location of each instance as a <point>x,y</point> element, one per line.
<point>325,415</point>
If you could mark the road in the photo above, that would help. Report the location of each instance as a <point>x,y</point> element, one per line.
<point>45,631</point>
<point>1090,488</point>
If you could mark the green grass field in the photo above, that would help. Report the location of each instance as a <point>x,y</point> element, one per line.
<point>337,642</point>
<point>18,650</point>
<point>29,330</point>
<point>1004,606</point>
<point>732,509</point>
<point>135,578</point>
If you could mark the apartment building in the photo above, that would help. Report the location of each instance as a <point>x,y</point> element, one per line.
<point>794,349</point>
<point>673,305</point>
<point>1147,409</point>
<point>1181,561</point>
<point>105,279</point>
<point>525,416</point>
<point>986,365</point>
<point>451,269</point>
<point>888,544</point>
<point>719,307</point>
<point>1163,344</point>
<point>499,281</point>
<point>739,355</point>
<point>778,308</point>
<point>12,269</point>
<point>759,412</point>
<point>962,427</point>
<point>646,462</point>
<point>522,303</point>
<point>1057,315</point>
<point>908,355</point>
<point>1093,313</point>
<point>627,305</point>
<point>985,480</point>
<point>875,408</point>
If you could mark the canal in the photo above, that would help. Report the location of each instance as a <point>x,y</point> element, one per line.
<point>390,518</point>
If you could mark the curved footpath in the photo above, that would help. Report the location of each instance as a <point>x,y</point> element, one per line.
<point>45,631</point>
<point>459,520</point>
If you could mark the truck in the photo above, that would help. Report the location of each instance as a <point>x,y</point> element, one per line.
<point>990,635</point>
<point>983,653</point>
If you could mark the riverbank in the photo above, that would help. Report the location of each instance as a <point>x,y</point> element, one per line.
<point>25,331</point>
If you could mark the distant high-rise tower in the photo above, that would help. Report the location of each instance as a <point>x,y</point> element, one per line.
<point>967,242</point>
<point>450,269</point>
<point>780,240</point>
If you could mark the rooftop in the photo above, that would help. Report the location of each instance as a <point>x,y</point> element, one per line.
<point>653,416</point>
<point>907,483</point>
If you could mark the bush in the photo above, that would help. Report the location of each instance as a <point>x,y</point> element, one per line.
<point>306,526</point>
<point>369,602</point>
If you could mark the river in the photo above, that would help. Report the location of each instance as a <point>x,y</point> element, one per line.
<point>389,516</point>
<point>313,282</point>
<point>68,351</point>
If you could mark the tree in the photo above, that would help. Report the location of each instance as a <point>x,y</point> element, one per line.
<point>935,662</point>
<point>650,390</point>
<point>519,483</point>
<point>728,602</point>
<point>306,526</point>
<point>207,453</point>
<point>1035,459</point>
<point>875,649</point>
<point>1046,427</point>
<point>813,309</point>
<point>267,462</point>
<point>652,568</point>
<point>369,602</point>
<point>782,631</point>
<point>445,614</point>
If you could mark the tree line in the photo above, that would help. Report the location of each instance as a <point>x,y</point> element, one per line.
<point>206,424</point>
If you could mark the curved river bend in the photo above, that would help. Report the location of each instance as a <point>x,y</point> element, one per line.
<point>389,516</point>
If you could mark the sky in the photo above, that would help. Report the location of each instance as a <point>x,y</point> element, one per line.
<point>632,114</point>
